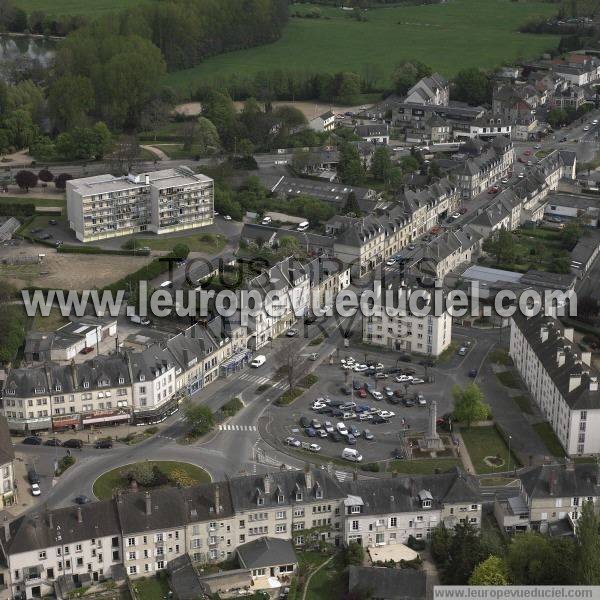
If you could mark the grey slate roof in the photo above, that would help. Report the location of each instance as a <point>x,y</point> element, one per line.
<point>33,531</point>
<point>400,494</point>
<point>150,363</point>
<point>266,552</point>
<point>376,130</point>
<point>561,481</point>
<point>579,398</point>
<point>388,584</point>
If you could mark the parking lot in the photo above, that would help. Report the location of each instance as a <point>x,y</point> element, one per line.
<point>339,385</point>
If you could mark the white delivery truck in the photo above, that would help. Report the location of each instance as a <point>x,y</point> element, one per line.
<point>258,361</point>
<point>351,454</point>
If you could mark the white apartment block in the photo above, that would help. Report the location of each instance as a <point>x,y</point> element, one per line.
<point>422,334</point>
<point>560,379</point>
<point>8,492</point>
<point>163,201</point>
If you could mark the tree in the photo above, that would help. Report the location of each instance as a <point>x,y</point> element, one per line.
<point>381,165</point>
<point>587,307</point>
<point>354,554</point>
<point>491,571</point>
<point>180,251</point>
<point>70,98</point>
<point>348,87</point>
<point>557,117</point>
<point>26,179</point>
<point>588,546</point>
<point>468,404</point>
<point>472,86</point>
<point>409,164</point>
<point>570,234</point>
<point>103,139</point>
<point>46,176</point>
<point>350,168</point>
<point>351,206</point>
<point>464,553</point>
<point>291,363</point>
<point>60,182</point>
<point>199,417</point>
<point>142,473</point>
<point>207,136</point>
<point>501,245</point>
<point>440,544</point>
<point>407,73</point>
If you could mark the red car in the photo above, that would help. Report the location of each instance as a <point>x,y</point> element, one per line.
<point>521,159</point>
<point>362,393</point>
<point>462,210</point>
<point>527,153</point>
<point>494,190</point>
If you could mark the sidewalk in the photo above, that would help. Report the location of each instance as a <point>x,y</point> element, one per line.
<point>464,453</point>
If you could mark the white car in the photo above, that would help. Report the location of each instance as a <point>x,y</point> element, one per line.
<point>360,368</point>
<point>318,405</point>
<point>404,378</point>
<point>227,218</point>
<point>586,128</point>
<point>379,367</point>
<point>417,380</point>
<point>421,400</point>
<point>292,441</point>
<point>322,433</point>
<point>35,489</point>
<point>380,375</point>
<point>390,262</point>
<point>387,414</point>
<point>365,416</point>
<point>341,427</point>
<point>314,448</point>
<point>377,395</point>
<point>521,175</point>
<point>328,427</point>
<point>595,122</point>
<point>291,332</point>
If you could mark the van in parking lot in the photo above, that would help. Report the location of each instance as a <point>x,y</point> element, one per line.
<point>351,454</point>
<point>258,361</point>
<point>303,226</point>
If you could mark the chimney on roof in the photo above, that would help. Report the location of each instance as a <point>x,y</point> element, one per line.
<point>79,515</point>
<point>147,179</point>
<point>586,358</point>
<point>148,502</point>
<point>552,483</point>
<point>593,384</point>
<point>6,529</point>
<point>50,520</point>
<point>267,484</point>
<point>217,499</point>
<point>544,333</point>
<point>308,480</point>
<point>560,357</point>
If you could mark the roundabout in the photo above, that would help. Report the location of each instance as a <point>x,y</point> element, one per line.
<point>148,475</point>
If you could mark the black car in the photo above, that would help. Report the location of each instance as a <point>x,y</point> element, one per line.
<point>33,476</point>
<point>346,390</point>
<point>408,402</point>
<point>405,357</point>
<point>103,444</point>
<point>336,412</point>
<point>398,453</point>
<point>52,221</point>
<point>32,440</point>
<point>378,419</point>
<point>82,499</point>
<point>305,422</point>
<point>356,384</point>
<point>336,436</point>
<point>473,373</point>
<point>427,363</point>
<point>394,400</point>
<point>409,371</point>
<point>336,403</point>
<point>53,442</point>
<point>73,444</point>
<point>327,410</point>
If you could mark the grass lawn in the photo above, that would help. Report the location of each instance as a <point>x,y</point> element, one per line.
<point>425,466</point>
<point>485,442</point>
<point>176,151</point>
<point>524,403</point>
<point>109,482</point>
<point>207,243</point>
<point>78,7</point>
<point>547,435</point>
<point>441,35</point>
<point>50,323</point>
<point>500,357</point>
<point>152,588</point>
<point>448,353</point>
<point>508,379</point>
<point>330,582</point>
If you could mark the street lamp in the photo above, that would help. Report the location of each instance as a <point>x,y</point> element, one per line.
<point>509,440</point>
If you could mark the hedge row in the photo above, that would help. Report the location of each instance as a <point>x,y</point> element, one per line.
<point>17,210</point>
<point>69,249</point>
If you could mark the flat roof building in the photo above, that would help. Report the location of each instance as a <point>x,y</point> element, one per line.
<point>162,201</point>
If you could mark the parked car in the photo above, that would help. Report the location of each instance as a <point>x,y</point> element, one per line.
<point>321,433</point>
<point>304,422</point>
<point>381,375</point>
<point>103,444</point>
<point>404,378</point>
<point>291,332</point>
<point>408,402</point>
<point>53,442</point>
<point>420,399</point>
<point>387,414</point>
<point>398,453</point>
<point>313,356</point>
<point>82,499</point>
<point>362,393</point>
<point>356,384</point>
<point>368,435</point>
<point>32,476</point>
<point>354,431</point>
<point>32,440</point>
<point>377,395</point>
<point>390,262</point>
<point>473,373</point>
<point>462,351</point>
<point>73,443</point>
<point>328,426</point>
<point>35,489</point>
<point>366,416</point>
<point>350,439</point>
<point>341,428</point>
<point>336,436</point>
<point>316,424</point>
<point>378,419</point>
<point>311,432</point>
<point>417,381</point>
<point>292,441</point>
<point>314,448</point>
<point>346,390</point>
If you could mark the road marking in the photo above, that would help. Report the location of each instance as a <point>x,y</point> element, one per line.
<point>229,427</point>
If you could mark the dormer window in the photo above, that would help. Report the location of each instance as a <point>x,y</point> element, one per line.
<point>319,494</point>
<point>142,377</point>
<point>11,391</point>
<point>298,496</point>
<point>86,385</point>
<point>260,501</point>
<point>39,390</point>
<point>121,380</point>
<point>280,498</point>
<point>57,387</point>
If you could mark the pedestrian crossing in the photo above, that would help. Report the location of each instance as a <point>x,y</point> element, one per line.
<point>342,475</point>
<point>237,428</point>
<point>258,380</point>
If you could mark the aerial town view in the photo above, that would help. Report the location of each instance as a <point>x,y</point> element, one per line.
<point>299,300</point>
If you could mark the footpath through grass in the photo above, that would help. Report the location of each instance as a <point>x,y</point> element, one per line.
<point>441,35</point>
<point>547,435</point>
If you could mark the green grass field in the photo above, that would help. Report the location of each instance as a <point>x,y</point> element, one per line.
<point>486,442</point>
<point>547,435</point>
<point>449,37</point>
<point>91,8</point>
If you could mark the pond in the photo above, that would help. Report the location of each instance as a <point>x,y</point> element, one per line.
<point>27,49</point>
